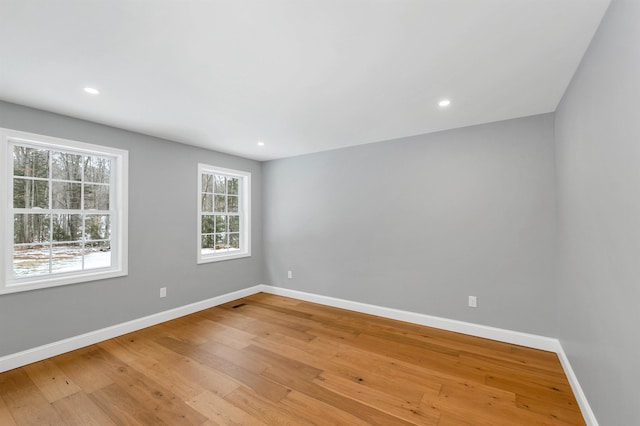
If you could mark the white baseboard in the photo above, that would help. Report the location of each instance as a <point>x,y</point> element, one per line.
<point>39,353</point>
<point>587,412</point>
<point>493,333</point>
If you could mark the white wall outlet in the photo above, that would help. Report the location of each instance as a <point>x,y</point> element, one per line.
<point>473,302</point>
<point>289,274</point>
<point>163,292</point>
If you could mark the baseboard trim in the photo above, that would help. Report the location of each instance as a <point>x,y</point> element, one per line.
<point>40,353</point>
<point>587,412</point>
<point>19,359</point>
<point>493,333</point>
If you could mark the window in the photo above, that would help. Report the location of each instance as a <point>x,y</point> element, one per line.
<point>65,219</point>
<point>224,214</point>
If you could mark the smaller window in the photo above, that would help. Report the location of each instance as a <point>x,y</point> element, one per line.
<point>224,214</point>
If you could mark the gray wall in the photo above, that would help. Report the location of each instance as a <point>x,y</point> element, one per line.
<point>421,223</point>
<point>598,160</point>
<point>162,239</point>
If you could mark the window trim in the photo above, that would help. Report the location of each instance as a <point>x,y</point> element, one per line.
<point>244,207</point>
<point>120,198</point>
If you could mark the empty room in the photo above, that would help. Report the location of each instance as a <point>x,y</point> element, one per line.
<point>320,212</point>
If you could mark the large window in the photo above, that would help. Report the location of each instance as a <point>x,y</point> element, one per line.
<point>223,214</point>
<point>65,218</point>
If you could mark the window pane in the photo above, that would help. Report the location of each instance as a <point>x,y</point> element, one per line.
<point>97,169</point>
<point>67,227</point>
<point>30,162</point>
<point>233,204</point>
<point>28,193</point>
<point>221,223</point>
<point>220,184</point>
<point>207,241</point>
<point>97,227</point>
<point>232,186</point>
<point>234,223</point>
<point>96,197</point>
<point>66,257</point>
<point>66,166</point>
<point>221,203</point>
<point>221,241</point>
<point>207,224</point>
<point>207,203</point>
<point>31,260</point>
<point>97,255</point>
<point>234,241</point>
<point>31,228</point>
<point>66,195</point>
<point>207,183</point>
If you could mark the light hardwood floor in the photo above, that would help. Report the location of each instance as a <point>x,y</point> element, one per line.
<point>273,360</point>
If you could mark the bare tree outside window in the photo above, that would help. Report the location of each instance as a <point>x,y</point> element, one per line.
<point>223,211</point>
<point>61,205</point>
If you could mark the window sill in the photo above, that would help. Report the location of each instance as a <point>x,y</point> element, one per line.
<point>17,286</point>
<point>221,257</point>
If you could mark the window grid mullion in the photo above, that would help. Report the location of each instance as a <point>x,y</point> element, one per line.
<point>50,214</point>
<point>82,214</point>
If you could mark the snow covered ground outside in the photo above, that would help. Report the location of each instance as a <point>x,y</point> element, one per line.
<point>37,262</point>
<point>214,251</point>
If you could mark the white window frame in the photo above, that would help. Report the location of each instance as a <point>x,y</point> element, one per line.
<point>9,283</point>
<point>244,209</point>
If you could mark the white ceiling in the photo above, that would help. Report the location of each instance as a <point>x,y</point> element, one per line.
<point>300,75</point>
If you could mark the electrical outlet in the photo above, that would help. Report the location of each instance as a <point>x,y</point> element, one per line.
<point>163,292</point>
<point>473,302</point>
<point>289,274</point>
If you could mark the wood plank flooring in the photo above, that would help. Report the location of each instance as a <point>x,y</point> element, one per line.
<point>273,360</point>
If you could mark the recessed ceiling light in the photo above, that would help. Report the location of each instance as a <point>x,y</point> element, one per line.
<point>444,103</point>
<point>91,91</point>
<point>260,143</point>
